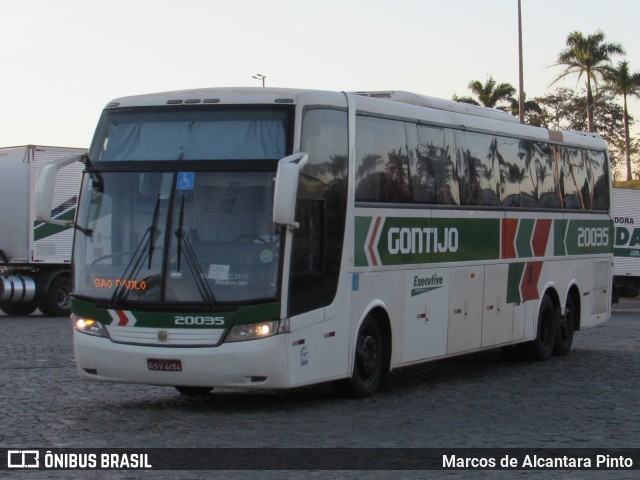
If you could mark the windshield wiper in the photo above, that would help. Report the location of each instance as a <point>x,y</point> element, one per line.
<point>153,230</point>
<point>146,244</point>
<point>184,246</point>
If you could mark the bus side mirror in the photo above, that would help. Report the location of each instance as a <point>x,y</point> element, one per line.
<point>45,188</point>
<point>286,189</point>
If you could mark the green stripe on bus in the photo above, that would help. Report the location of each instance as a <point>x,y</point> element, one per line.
<point>587,237</point>
<point>626,252</point>
<point>559,228</point>
<point>414,240</point>
<point>513,282</point>
<point>362,225</point>
<point>523,238</point>
<point>247,314</point>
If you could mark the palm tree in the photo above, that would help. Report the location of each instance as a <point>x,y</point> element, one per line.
<point>488,94</point>
<point>530,106</point>
<point>589,56</point>
<point>621,82</point>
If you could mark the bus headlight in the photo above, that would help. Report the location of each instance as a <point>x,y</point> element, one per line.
<point>252,331</point>
<point>88,326</point>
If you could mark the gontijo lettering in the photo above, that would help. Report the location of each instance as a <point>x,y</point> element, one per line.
<point>422,240</point>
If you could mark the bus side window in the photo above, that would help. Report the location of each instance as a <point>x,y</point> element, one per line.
<point>576,185</point>
<point>320,210</point>
<point>600,190</point>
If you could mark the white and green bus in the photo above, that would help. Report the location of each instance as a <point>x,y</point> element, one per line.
<point>274,238</point>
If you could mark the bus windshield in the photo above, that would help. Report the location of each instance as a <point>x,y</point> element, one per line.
<point>184,133</point>
<point>177,237</point>
<point>176,206</point>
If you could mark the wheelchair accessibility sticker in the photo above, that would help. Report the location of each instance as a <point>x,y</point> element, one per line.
<point>186,180</point>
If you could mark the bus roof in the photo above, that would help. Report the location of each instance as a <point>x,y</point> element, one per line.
<point>229,96</point>
<point>390,102</point>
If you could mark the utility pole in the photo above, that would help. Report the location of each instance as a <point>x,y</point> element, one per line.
<point>521,86</point>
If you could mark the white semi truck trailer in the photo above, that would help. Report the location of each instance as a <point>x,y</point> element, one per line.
<point>626,250</point>
<point>35,257</point>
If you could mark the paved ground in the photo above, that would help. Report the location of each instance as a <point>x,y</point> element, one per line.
<point>588,399</point>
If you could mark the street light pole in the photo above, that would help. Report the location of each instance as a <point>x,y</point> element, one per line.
<point>259,76</point>
<point>521,86</point>
<point>599,101</point>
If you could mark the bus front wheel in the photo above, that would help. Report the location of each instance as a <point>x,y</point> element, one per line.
<point>368,368</point>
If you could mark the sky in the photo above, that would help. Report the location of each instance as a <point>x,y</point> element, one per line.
<point>62,61</point>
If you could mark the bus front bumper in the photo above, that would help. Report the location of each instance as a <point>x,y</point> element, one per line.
<point>252,364</point>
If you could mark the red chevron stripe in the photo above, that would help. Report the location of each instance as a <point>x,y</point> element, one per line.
<point>540,237</point>
<point>123,318</point>
<point>530,278</point>
<point>509,229</point>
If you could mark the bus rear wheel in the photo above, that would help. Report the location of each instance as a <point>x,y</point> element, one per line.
<point>541,348</point>
<point>566,326</point>
<point>369,362</point>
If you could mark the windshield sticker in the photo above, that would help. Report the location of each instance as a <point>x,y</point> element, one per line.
<point>219,273</point>
<point>186,180</point>
<point>266,256</point>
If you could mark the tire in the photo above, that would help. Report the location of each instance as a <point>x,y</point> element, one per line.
<point>369,363</point>
<point>194,391</point>
<point>565,328</point>
<point>19,308</point>
<point>541,348</point>
<point>56,302</point>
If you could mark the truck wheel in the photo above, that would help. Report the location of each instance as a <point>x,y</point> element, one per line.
<point>19,308</point>
<point>56,302</point>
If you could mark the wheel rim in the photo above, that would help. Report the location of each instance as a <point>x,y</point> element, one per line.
<point>63,298</point>
<point>367,356</point>
<point>566,323</point>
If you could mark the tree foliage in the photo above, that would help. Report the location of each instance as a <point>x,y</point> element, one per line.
<point>489,94</point>
<point>620,81</point>
<point>565,109</point>
<point>589,56</point>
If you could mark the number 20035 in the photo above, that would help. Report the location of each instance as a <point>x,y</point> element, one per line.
<point>593,237</point>
<point>197,320</point>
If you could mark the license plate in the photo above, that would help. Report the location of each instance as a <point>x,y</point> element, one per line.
<point>164,365</point>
